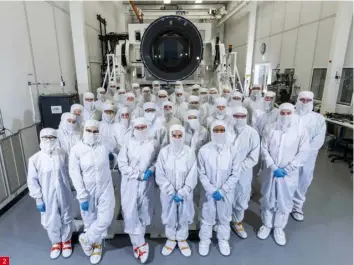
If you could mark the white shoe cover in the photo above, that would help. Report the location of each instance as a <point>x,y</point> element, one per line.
<point>263,232</point>
<point>184,248</point>
<point>86,247</point>
<point>67,249</point>
<point>96,255</point>
<point>224,247</point>
<point>55,251</point>
<point>297,216</point>
<point>204,247</point>
<point>279,236</point>
<point>240,231</point>
<point>168,247</point>
<point>143,253</point>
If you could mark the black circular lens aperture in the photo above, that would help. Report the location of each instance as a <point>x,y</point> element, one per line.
<point>171,48</point>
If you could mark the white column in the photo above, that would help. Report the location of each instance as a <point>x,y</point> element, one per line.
<point>77,18</point>
<point>340,38</point>
<point>252,19</point>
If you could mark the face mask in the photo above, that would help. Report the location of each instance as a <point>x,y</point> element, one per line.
<point>129,104</point>
<point>90,138</point>
<point>48,146</point>
<point>203,98</point>
<point>226,95</point>
<point>180,99</point>
<point>218,138</point>
<point>239,123</point>
<point>177,145</point>
<point>70,127</point>
<point>122,98</point>
<point>137,91</point>
<point>162,100</point>
<point>194,124</point>
<point>150,116</point>
<point>89,106</point>
<point>212,98</point>
<point>141,135</point>
<point>195,93</point>
<point>107,117</point>
<point>256,94</point>
<point>156,90</point>
<point>167,113</point>
<point>101,97</point>
<point>146,96</point>
<point>220,114</point>
<point>268,105</point>
<point>124,122</point>
<point>78,119</point>
<point>235,103</point>
<point>304,108</point>
<point>285,120</point>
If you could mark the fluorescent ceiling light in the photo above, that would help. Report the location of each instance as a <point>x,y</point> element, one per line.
<point>167,1</point>
<point>198,1</point>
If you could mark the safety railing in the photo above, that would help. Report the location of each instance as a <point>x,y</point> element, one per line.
<point>14,153</point>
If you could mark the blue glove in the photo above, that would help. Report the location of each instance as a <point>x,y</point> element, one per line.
<point>41,207</point>
<point>279,173</point>
<point>148,174</point>
<point>177,199</point>
<point>111,157</point>
<point>217,196</point>
<point>84,206</point>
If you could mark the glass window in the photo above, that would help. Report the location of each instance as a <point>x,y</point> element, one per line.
<point>318,82</point>
<point>346,87</point>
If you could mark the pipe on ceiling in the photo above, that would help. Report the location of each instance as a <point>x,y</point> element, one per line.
<point>232,12</point>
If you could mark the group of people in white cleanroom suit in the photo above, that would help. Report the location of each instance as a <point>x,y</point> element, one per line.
<point>214,137</point>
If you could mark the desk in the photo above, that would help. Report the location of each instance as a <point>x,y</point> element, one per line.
<point>341,123</point>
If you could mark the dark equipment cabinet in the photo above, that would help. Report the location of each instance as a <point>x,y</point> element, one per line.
<point>53,106</point>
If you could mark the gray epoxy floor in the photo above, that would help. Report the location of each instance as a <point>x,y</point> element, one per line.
<point>325,238</point>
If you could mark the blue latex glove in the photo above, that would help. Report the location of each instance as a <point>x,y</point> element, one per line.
<point>148,174</point>
<point>111,157</point>
<point>279,173</point>
<point>217,196</point>
<point>84,206</point>
<point>41,207</point>
<point>177,199</point>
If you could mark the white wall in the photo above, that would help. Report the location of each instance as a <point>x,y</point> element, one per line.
<point>298,34</point>
<point>39,49</point>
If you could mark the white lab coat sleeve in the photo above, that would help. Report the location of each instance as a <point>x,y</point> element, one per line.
<point>191,179</point>
<point>123,164</point>
<point>76,177</point>
<point>35,189</point>
<point>252,157</point>
<point>301,156</point>
<point>256,120</point>
<point>317,141</point>
<point>161,178</point>
<point>209,188</point>
<point>268,160</point>
<point>231,181</point>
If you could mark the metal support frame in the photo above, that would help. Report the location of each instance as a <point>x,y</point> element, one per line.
<point>11,195</point>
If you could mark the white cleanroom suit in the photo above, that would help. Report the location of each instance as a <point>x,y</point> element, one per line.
<point>123,129</point>
<point>137,158</point>
<point>196,134</point>
<point>107,129</point>
<point>162,97</point>
<point>169,119</point>
<point>284,147</point>
<point>180,106</point>
<point>157,129</point>
<point>90,113</point>
<point>252,103</point>
<point>91,177</point>
<point>315,124</point>
<point>218,172</point>
<point>48,183</point>
<point>236,99</point>
<point>246,145</point>
<point>207,109</point>
<point>101,98</point>
<point>176,173</point>
<point>68,133</point>
<point>223,115</point>
<point>78,111</point>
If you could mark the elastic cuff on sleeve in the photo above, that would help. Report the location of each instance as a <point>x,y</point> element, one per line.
<point>39,201</point>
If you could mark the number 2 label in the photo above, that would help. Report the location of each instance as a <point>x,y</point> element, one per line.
<point>4,260</point>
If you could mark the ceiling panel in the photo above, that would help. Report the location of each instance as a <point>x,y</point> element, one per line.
<point>137,2</point>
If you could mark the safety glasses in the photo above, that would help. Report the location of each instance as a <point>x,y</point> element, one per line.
<point>305,100</point>
<point>140,127</point>
<point>49,137</point>
<point>150,110</point>
<point>239,116</point>
<point>92,131</point>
